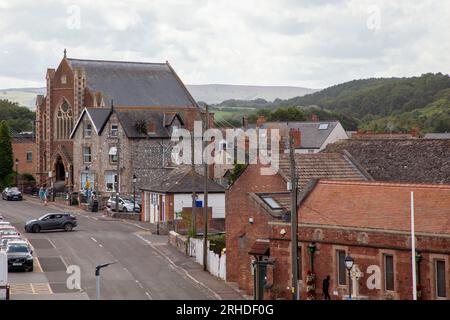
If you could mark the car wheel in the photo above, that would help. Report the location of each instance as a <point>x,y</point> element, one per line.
<point>124,209</point>
<point>36,228</point>
<point>30,269</point>
<point>68,227</point>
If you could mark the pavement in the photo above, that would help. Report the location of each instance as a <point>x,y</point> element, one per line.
<point>146,268</point>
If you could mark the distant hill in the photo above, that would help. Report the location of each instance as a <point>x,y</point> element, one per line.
<point>23,96</point>
<point>209,93</point>
<point>216,93</point>
<point>377,104</point>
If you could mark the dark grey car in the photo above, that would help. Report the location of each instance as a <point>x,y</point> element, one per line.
<point>52,221</point>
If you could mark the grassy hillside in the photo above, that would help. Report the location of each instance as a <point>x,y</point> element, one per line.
<point>381,105</point>
<point>18,118</point>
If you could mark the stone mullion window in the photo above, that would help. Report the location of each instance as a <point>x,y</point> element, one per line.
<point>64,121</point>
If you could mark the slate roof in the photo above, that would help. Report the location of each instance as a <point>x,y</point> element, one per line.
<point>418,160</point>
<point>311,136</point>
<point>334,166</point>
<point>129,118</point>
<point>135,83</point>
<point>179,180</point>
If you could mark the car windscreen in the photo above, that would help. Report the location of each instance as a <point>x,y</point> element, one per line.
<point>17,249</point>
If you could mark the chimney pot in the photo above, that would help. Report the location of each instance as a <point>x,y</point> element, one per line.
<point>315,118</point>
<point>297,137</point>
<point>260,121</point>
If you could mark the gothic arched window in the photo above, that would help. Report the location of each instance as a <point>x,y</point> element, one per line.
<point>64,121</point>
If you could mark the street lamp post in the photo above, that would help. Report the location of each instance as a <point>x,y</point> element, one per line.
<point>349,265</point>
<point>97,275</point>
<point>134,192</point>
<point>17,172</point>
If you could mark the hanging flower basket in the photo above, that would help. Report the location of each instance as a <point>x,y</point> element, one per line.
<point>311,285</point>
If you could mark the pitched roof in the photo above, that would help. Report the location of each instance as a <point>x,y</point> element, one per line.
<point>135,83</point>
<point>129,118</point>
<point>179,180</point>
<point>378,205</point>
<point>98,117</point>
<point>334,166</point>
<point>312,137</point>
<point>418,160</point>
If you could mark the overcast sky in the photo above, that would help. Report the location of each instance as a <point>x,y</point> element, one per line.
<point>309,43</point>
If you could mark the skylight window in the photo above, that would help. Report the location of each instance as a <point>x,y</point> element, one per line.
<point>323,126</point>
<point>271,203</point>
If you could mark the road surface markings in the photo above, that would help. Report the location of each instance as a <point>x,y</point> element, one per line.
<point>51,243</point>
<point>178,268</point>
<point>100,245</point>
<point>149,295</point>
<point>93,239</point>
<point>30,288</point>
<point>38,267</point>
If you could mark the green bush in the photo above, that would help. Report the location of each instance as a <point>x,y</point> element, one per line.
<point>217,243</point>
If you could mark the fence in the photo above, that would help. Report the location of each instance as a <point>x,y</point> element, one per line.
<point>216,264</point>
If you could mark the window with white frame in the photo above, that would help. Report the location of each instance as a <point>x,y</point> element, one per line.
<point>111,181</point>
<point>439,266</point>
<point>87,130</point>
<point>87,155</point>
<point>112,154</point>
<point>114,131</point>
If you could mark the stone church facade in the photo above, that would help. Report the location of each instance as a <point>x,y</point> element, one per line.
<point>77,84</point>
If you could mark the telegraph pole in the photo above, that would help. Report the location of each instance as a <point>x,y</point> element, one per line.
<point>205,232</point>
<point>294,223</point>
<point>194,195</point>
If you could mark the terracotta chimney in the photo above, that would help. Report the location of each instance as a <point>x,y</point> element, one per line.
<point>315,118</point>
<point>297,135</point>
<point>260,121</point>
<point>415,132</point>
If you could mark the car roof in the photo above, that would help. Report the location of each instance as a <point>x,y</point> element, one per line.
<point>7,226</point>
<point>18,242</point>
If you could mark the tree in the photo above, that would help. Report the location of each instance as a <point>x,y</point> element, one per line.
<point>6,154</point>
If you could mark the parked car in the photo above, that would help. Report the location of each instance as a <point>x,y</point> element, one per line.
<point>125,205</point>
<point>12,194</point>
<point>8,231</point>
<point>4,241</point>
<point>20,255</point>
<point>5,223</point>
<point>52,221</point>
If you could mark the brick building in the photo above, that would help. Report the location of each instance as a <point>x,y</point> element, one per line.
<point>76,84</point>
<point>24,150</point>
<point>140,136</point>
<point>246,224</point>
<point>371,222</point>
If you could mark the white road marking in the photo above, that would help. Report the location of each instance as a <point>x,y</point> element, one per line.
<point>148,295</point>
<point>51,242</point>
<point>100,246</point>
<point>93,239</point>
<point>178,268</point>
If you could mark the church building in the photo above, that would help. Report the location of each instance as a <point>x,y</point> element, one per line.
<point>77,84</point>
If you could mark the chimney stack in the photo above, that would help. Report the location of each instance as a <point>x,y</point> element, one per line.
<point>314,118</point>
<point>260,121</point>
<point>415,132</point>
<point>297,135</point>
<point>244,122</point>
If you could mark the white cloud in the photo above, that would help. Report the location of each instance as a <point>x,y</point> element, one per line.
<point>287,42</point>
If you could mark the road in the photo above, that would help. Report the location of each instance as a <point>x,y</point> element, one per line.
<point>141,271</point>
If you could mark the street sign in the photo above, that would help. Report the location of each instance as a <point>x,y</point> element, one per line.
<point>198,203</point>
<point>3,269</point>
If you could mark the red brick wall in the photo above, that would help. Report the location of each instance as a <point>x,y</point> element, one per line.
<point>20,150</point>
<point>367,248</point>
<point>238,210</point>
